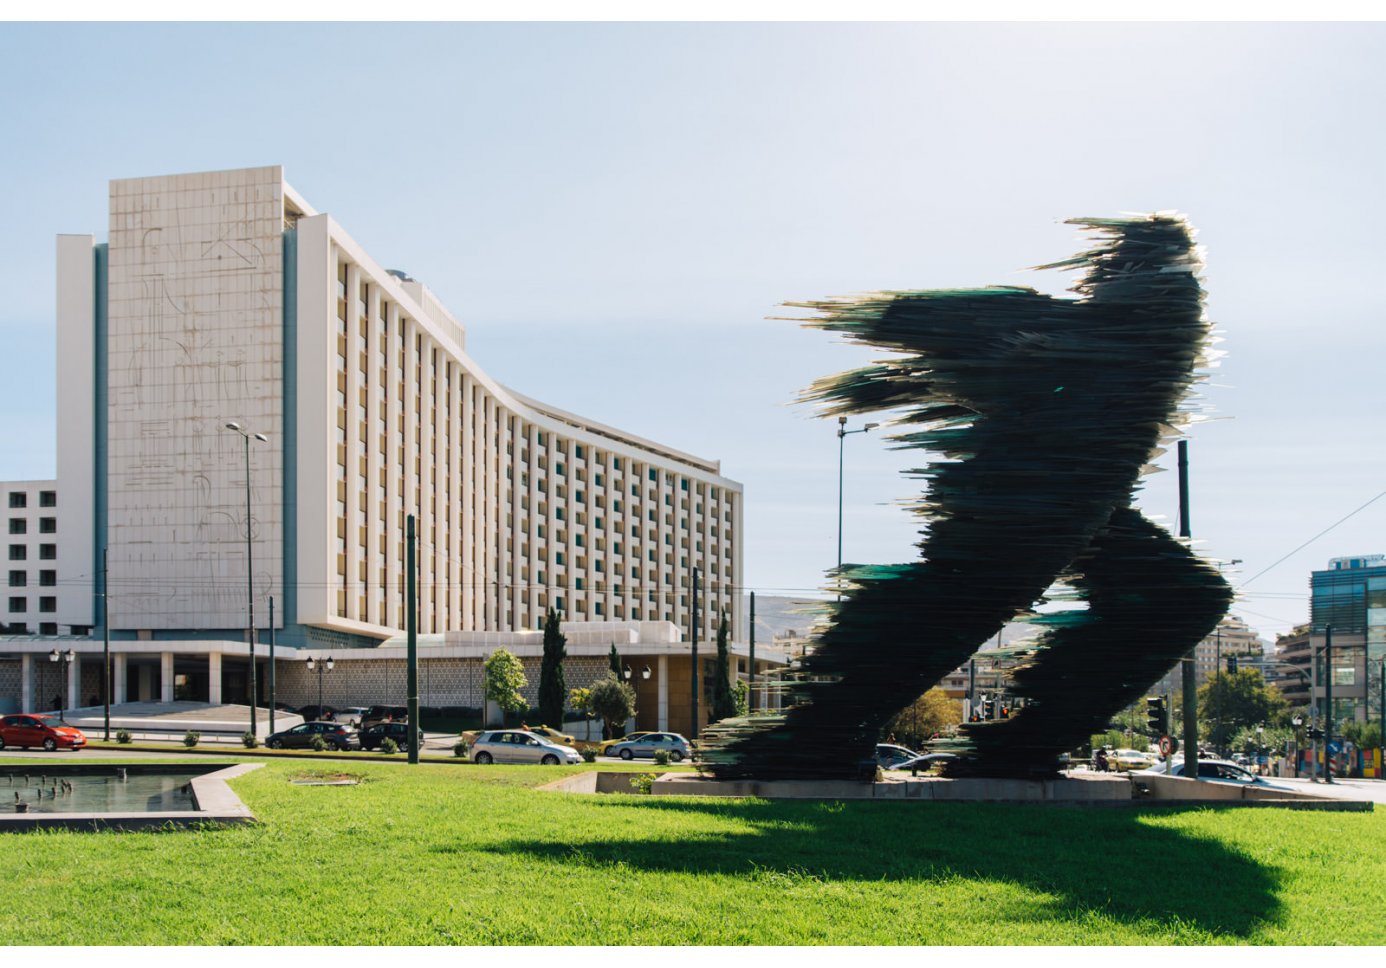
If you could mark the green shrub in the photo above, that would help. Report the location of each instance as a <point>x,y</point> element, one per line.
<point>589,755</point>
<point>642,782</point>
<point>191,737</point>
<point>388,745</point>
<point>123,736</point>
<point>248,740</point>
<point>460,748</point>
<point>661,757</point>
<point>319,744</point>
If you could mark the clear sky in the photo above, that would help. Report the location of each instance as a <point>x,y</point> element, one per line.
<point>616,211</point>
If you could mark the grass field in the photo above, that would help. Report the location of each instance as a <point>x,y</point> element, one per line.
<point>470,855</point>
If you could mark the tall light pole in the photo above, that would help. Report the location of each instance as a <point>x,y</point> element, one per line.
<point>322,665</point>
<point>1217,665</point>
<point>842,433</point>
<point>66,658</point>
<point>249,566</point>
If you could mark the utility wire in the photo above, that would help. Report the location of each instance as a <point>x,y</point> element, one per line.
<point>1311,540</point>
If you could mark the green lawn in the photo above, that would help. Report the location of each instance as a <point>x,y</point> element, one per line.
<point>470,855</point>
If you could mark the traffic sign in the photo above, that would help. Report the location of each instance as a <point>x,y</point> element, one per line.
<point>1166,746</point>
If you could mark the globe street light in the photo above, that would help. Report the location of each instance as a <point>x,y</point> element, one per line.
<point>66,658</point>
<point>321,666</point>
<point>249,566</point>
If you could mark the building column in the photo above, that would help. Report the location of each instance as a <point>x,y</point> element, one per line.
<point>26,682</point>
<point>214,678</point>
<point>165,677</point>
<point>663,674</point>
<point>74,681</point>
<point>119,691</point>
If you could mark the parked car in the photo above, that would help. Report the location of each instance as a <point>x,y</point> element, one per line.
<point>374,735</point>
<point>1219,771</point>
<point>1130,760</point>
<point>319,714</point>
<point>336,735</point>
<point>519,746</point>
<point>551,734</point>
<point>606,744</point>
<point>384,714</point>
<point>31,729</point>
<point>925,761</point>
<point>675,745</point>
<point>353,716</point>
<point>888,755</point>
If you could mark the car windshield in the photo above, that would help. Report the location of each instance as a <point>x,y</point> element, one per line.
<point>52,722</point>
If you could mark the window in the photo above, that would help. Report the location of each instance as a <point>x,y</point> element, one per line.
<point>48,525</point>
<point>48,499</point>
<point>18,579</point>
<point>49,603</point>
<point>48,552</point>
<point>18,553</point>
<point>51,628</point>
<point>18,604</point>
<point>19,526</point>
<point>18,499</point>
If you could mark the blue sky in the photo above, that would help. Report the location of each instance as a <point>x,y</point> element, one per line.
<point>615,211</point>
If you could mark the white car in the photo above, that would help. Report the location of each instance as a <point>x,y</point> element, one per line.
<point>1219,771</point>
<point>519,746</point>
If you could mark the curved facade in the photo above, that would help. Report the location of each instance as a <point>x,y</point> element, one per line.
<point>225,297</point>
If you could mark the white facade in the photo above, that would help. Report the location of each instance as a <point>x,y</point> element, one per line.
<point>225,297</point>
<point>31,559</point>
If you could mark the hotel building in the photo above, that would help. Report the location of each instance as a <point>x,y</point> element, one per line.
<point>224,297</point>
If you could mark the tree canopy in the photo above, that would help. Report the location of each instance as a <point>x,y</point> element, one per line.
<point>723,699</point>
<point>505,677</point>
<point>931,713</point>
<point>613,701</point>
<point>1234,701</point>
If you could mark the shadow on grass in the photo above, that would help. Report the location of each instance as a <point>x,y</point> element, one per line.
<point>1104,861</point>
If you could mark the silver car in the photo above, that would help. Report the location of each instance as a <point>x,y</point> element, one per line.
<point>518,746</point>
<point>672,743</point>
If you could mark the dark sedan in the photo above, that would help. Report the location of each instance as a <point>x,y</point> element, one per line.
<point>335,735</point>
<point>373,736</point>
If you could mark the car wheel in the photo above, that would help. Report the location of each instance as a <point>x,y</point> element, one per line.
<point>675,756</point>
<point>275,744</point>
<point>2,742</point>
<point>549,760</point>
<point>627,755</point>
<point>340,747</point>
<point>50,744</point>
<point>482,758</point>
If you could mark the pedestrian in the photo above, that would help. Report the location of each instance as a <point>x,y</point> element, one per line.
<point>1099,760</point>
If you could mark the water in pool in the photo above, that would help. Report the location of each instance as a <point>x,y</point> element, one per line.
<point>56,793</point>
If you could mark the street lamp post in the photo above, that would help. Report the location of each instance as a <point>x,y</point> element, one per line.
<point>322,665</point>
<point>842,433</point>
<point>66,658</point>
<point>249,566</point>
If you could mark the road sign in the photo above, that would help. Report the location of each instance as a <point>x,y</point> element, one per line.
<point>1166,746</point>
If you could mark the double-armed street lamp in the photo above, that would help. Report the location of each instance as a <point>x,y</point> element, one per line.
<point>249,565</point>
<point>322,666</point>
<point>66,659</point>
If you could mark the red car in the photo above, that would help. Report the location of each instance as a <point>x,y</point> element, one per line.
<point>30,729</point>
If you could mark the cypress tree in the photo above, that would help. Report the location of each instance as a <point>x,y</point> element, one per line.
<point>553,690</point>
<point>615,658</point>
<point>723,699</point>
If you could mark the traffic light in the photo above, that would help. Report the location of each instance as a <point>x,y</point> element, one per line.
<point>988,708</point>
<point>1231,665</point>
<point>1156,716</point>
<point>1005,711</point>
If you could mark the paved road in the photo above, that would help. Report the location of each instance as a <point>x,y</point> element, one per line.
<point>1374,790</point>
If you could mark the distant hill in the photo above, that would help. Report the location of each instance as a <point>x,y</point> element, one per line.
<point>776,615</point>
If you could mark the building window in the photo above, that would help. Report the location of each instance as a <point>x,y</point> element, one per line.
<point>48,525</point>
<point>48,499</point>
<point>48,552</point>
<point>48,603</point>
<point>19,526</point>
<point>18,499</point>
<point>49,628</point>
<point>18,604</point>
<point>19,553</point>
<point>47,578</point>
<point>18,579</point>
